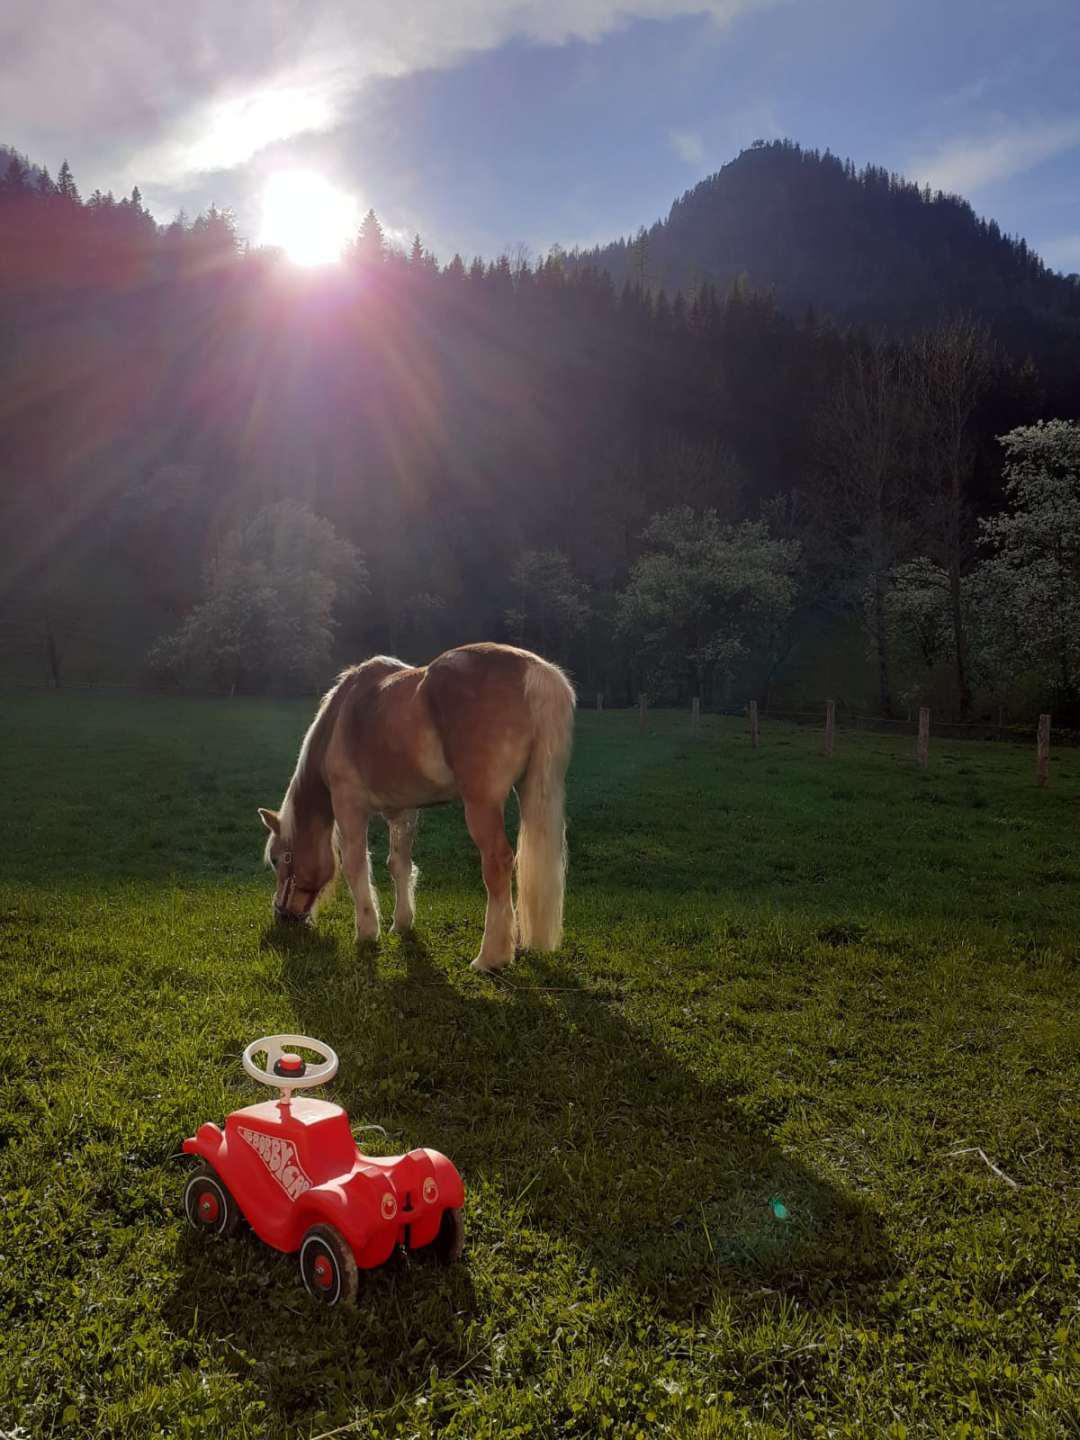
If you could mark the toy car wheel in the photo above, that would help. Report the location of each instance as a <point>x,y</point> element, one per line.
<point>328,1266</point>
<point>209,1206</point>
<point>450,1241</point>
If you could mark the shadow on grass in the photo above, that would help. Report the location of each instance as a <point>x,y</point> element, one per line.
<point>307,1360</point>
<point>585,1147</point>
<point>658,1177</point>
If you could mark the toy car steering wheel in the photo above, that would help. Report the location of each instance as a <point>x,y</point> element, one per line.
<point>287,1070</point>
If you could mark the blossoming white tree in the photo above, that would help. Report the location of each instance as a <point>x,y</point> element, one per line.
<point>1032,569</point>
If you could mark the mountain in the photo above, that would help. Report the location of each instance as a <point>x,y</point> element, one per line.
<point>865,246</point>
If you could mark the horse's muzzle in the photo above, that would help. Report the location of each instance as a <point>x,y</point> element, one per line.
<point>291,917</point>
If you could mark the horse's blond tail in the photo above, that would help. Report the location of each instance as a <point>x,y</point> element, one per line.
<point>541,849</point>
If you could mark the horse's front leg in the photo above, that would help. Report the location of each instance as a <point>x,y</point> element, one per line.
<point>356,863</point>
<point>485,822</point>
<point>402,869</point>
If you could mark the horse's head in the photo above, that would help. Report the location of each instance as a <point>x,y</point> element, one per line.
<point>303,863</point>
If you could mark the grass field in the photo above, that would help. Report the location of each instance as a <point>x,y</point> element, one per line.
<point>785,979</point>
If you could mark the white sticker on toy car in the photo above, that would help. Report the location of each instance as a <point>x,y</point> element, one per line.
<point>279,1157</point>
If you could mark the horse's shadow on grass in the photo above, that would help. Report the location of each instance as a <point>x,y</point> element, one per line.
<point>573,1129</point>
<point>551,1096</point>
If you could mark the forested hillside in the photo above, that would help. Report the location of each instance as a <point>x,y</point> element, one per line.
<point>502,449</point>
<point>866,245</point>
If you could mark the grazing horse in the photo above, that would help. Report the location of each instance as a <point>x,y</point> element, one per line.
<point>391,738</point>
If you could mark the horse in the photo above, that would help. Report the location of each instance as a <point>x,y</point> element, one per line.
<point>391,739</point>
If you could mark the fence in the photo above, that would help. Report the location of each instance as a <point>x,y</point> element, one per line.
<point>827,715</point>
<point>921,727</point>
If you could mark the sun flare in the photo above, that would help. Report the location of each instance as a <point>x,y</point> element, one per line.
<point>307,217</point>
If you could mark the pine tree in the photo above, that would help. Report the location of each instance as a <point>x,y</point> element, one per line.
<point>503,279</point>
<point>371,242</point>
<point>66,187</point>
<point>15,182</point>
<point>641,259</point>
<point>213,235</point>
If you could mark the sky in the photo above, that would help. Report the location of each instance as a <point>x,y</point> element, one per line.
<point>485,126</point>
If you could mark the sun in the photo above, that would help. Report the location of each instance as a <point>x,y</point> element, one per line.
<point>307,217</point>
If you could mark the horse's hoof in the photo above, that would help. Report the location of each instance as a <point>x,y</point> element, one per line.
<point>484,966</point>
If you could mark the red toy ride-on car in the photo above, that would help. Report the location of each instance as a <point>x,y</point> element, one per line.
<point>292,1169</point>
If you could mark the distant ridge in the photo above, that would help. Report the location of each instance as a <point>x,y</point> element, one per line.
<point>863,245</point>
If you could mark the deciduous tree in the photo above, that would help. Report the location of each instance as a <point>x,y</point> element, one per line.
<point>950,373</point>
<point>1032,569</point>
<point>268,617</point>
<point>705,594</point>
<point>864,443</point>
<point>552,604</point>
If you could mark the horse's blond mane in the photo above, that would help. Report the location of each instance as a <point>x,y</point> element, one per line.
<point>306,778</point>
<point>312,749</point>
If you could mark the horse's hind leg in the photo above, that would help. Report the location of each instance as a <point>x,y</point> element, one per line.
<point>485,822</point>
<point>402,869</point>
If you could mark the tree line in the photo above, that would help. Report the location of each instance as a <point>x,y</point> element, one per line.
<point>237,475</point>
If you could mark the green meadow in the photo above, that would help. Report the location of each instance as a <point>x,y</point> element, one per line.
<point>709,1147</point>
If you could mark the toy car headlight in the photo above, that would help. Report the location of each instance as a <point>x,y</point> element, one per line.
<point>431,1191</point>
<point>389,1206</point>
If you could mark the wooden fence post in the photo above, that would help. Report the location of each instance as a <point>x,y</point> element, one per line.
<point>643,705</point>
<point>1042,761</point>
<point>695,714</point>
<point>830,725</point>
<point>755,736</point>
<point>599,700</point>
<point>922,745</point>
<point>52,657</point>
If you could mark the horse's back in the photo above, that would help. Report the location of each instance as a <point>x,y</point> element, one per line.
<point>467,722</point>
<point>360,679</point>
<point>482,699</point>
<point>384,745</point>
<point>479,685</point>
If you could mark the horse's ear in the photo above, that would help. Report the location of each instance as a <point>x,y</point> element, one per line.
<point>271,820</point>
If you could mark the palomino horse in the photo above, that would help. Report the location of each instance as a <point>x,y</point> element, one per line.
<point>390,738</point>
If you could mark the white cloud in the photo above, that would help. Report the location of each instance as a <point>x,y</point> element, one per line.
<point>966,165</point>
<point>725,137</point>
<point>230,131</point>
<point>689,146</point>
<point>204,85</point>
